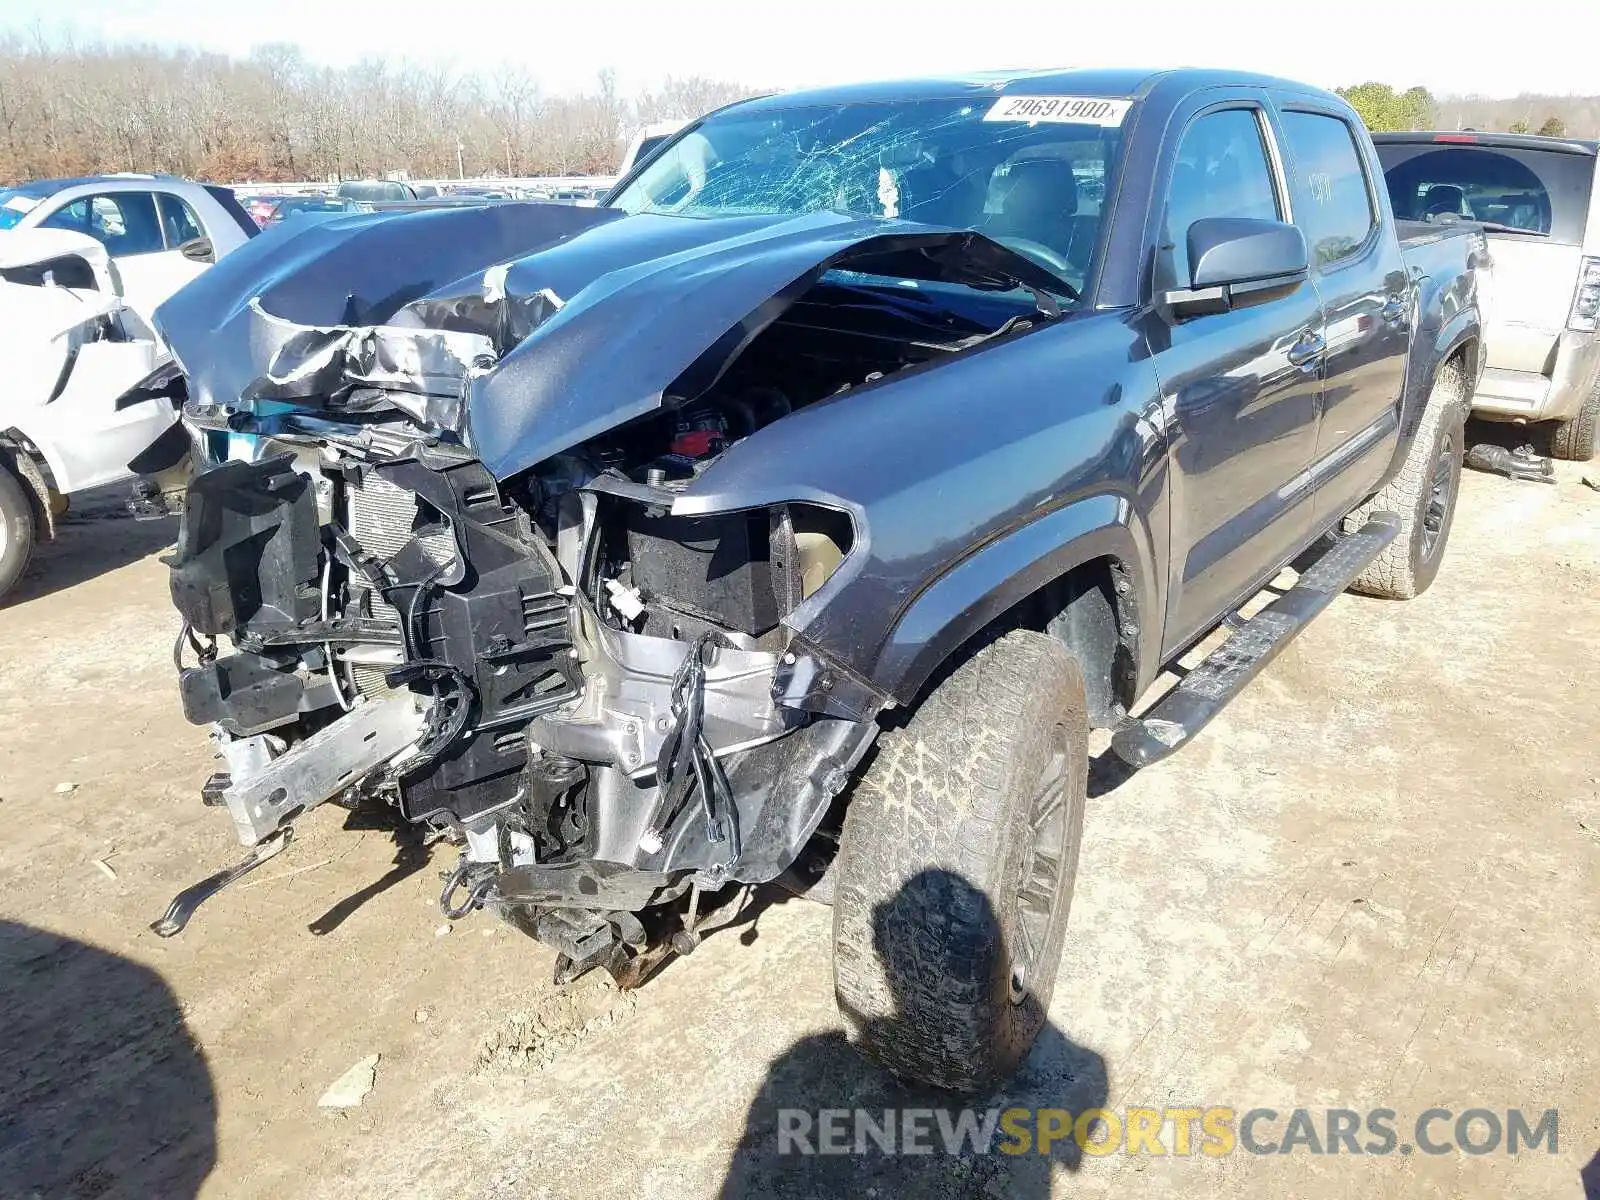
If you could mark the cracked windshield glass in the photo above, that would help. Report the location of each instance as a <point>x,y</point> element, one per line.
<point>1010,168</point>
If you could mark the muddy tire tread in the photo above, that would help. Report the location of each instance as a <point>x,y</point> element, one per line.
<point>1396,573</point>
<point>949,790</point>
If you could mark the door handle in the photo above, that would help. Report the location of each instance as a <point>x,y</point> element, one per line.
<point>1394,308</point>
<point>1308,349</point>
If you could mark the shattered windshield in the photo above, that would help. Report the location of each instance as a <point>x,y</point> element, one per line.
<point>1032,181</point>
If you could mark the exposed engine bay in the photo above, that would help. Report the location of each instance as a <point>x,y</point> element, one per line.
<point>570,669</point>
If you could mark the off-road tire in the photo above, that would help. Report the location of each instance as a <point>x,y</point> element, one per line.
<point>1409,563</point>
<point>1574,440</point>
<point>937,843</point>
<point>17,532</point>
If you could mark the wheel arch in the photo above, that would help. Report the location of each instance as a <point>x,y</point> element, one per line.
<point>1082,573</point>
<point>1465,344</point>
<point>19,456</point>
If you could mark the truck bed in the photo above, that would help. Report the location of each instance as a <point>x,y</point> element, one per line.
<point>1436,249</point>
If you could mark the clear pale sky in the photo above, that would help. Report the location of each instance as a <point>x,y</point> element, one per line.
<point>1500,50</point>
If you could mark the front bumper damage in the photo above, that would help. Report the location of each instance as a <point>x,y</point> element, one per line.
<point>591,773</point>
<point>270,792</point>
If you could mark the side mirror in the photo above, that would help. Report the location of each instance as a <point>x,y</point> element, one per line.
<point>198,250</point>
<point>1237,261</point>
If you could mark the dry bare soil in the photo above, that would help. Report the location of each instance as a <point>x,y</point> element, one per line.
<point>1372,883</point>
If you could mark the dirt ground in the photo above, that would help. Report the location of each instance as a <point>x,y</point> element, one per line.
<point>1375,882</point>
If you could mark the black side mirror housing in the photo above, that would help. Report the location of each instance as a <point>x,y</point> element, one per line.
<point>198,250</point>
<point>1237,261</point>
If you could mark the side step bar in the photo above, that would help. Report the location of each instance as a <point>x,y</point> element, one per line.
<point>1204,691</point>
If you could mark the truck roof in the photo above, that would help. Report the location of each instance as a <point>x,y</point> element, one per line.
<point>1474,137</point>
<point>1121,83</point>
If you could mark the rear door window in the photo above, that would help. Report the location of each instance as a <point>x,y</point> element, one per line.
<point>178,221</point>
<point>1334,206</point>
<point>1541,191</point>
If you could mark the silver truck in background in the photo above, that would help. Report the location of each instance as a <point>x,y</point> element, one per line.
<point>385,191</point>
<point>1534,198</point>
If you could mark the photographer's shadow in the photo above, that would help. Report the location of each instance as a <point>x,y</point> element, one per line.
<point>785,1149</point>
<point>105,1092</point>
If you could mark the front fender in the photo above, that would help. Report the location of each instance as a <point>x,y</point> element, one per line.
<point>1001,574</point>
<point>1462,329</point>
<point>84,437</point>
<point>970,484</point>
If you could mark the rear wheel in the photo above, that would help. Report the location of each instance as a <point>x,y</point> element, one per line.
<point>17,531</point>
<point>956,866</point>
<point>1423,494</point>
<point>1574,440</point>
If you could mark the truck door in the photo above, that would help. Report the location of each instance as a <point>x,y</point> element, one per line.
<point>1366,300</point>
<point>1241,388</point>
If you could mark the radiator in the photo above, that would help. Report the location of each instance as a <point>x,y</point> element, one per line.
<point>382,517</point>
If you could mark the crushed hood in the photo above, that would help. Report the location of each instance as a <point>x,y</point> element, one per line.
<point>527,328</point>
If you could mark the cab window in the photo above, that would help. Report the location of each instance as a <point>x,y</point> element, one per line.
<point>1222,170</point>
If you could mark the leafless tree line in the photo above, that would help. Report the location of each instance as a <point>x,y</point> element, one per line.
<point>1572,116</point>
<point>69,109</point>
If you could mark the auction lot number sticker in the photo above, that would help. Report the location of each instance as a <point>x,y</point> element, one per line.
<point>1064,110</point>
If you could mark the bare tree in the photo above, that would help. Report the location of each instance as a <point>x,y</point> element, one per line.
<point>1577,116</point>
<point>68,108</point>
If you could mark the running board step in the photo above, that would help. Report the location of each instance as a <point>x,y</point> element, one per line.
<point>1204,691</point>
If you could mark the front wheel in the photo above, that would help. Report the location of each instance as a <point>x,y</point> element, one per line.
<point>16,529</point>
<point>1423,494</point>
<point>956,867</point>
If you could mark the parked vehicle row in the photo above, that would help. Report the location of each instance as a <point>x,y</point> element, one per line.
<point>297,206</point>
<point>394,196</point>
<point>268,208</point>
<point>807,503</point>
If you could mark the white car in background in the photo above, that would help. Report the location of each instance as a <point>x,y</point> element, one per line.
<point>159,231</point>
<point>70,417</point>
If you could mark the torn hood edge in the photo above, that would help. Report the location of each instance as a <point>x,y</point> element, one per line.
<point>519,372</point>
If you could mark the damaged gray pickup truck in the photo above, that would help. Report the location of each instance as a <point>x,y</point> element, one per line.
<point>801,509</point>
